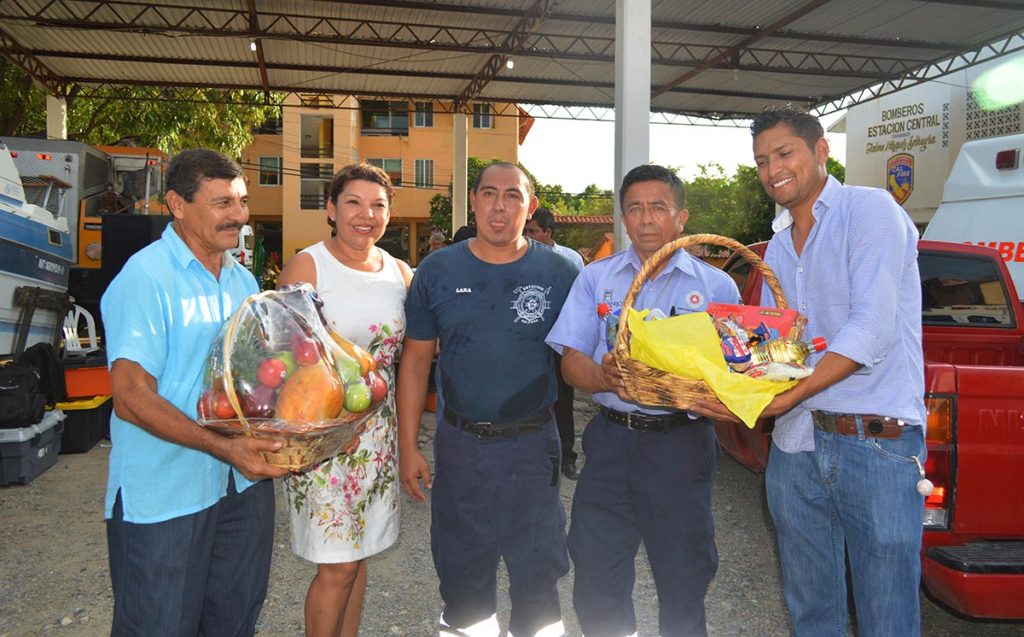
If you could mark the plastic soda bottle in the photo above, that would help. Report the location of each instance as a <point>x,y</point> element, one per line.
<point>785,350</point>
<point>611,323</point>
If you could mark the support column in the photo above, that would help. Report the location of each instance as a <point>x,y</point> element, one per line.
<point>632,95</point>
<point>56,117</point>
<point>460,166</point>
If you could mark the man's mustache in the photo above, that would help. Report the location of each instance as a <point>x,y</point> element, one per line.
<point>230,225</point>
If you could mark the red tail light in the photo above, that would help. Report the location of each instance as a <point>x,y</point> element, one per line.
<point>1007,159</point>
<point>941,462</point>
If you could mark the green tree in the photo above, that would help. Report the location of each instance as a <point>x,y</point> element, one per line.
<point>837,170</point>
<point>169,119</point>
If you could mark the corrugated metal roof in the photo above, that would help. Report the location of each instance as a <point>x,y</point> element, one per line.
<point>711,58</point>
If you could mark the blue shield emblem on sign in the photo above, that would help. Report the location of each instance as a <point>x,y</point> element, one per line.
<point>899,171</point>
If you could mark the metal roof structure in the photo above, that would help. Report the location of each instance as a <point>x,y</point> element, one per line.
<point>711,59</point>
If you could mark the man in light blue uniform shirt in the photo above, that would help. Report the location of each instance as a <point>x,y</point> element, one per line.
<point>649,470</point>
<point>189,533</point>
<point>541,228</point>
<point>848,440</point>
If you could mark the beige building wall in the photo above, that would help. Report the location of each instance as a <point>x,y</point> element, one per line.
<point>266,202</point>
<point>335,135</point>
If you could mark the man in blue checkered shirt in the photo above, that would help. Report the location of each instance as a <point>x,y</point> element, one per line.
<point>849,440</point>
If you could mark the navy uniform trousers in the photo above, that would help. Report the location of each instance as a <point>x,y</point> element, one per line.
<point>653,487</point>
<point>498,499</point>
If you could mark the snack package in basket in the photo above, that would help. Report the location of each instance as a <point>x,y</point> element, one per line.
<point>688,346</point>
<point>278,371</point>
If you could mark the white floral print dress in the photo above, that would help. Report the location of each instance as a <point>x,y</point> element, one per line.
<point>346,508</point>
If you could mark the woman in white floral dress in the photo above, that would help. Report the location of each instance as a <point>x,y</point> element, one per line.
<point>345,508</point>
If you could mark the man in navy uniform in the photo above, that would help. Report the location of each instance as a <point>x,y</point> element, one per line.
<point>489,302</point>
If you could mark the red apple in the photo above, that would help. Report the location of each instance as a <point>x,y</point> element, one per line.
<point>305,350</point>
<point>259,403</point>
<point>222,408</point>
<point>378,386</point>
<point>271,372</point>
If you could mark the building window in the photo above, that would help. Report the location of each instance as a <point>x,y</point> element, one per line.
<point>384,118</point>
<point>273,125</point>
<point>270,171</point>
<point>482,116</point>
<point>424,173</point>
<point>393,167</point>
<point>424,117</point>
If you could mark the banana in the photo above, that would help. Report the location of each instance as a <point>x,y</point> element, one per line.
<point>366,361</point>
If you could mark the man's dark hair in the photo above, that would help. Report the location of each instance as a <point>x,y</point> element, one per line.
<point>503,164</point>
<point>463,233</point>
<point>653,172</point>
<point>545,219</point>
<point>805,126</point>
<point>189,168</point>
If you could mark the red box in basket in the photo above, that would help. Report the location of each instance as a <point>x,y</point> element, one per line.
<point>751,317</point>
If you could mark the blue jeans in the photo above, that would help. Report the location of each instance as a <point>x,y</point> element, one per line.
<point>652,487</point>
<point>199,574</point>
<point>491,500</point>
<point>858,493</point>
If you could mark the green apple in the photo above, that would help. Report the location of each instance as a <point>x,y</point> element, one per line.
<point>290,364</point>
<point>357,398</point>
<point>348,369</point>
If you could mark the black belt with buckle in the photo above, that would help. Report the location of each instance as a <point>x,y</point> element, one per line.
<point>846,424</point>
<point>483,429</point>
<point>639,421</point>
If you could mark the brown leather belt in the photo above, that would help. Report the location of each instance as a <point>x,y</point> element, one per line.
<point>639,421</point>
<point>846,424</point>
<point>491,430</point>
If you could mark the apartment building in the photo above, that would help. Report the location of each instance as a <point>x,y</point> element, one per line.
<point>290,163</point>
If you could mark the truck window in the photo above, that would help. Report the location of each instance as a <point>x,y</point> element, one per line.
<point>739,270</point>
<point>962,290</point>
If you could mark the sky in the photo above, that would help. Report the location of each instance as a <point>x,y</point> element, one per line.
<point>577,153</point>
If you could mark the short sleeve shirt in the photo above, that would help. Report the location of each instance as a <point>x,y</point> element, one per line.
<point>491,320</point>
<point>684,285</point>
<point>163,311</point>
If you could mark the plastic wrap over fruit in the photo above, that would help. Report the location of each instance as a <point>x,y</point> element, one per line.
<point>277,368</point>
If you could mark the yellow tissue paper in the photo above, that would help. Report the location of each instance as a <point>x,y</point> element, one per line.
<point>688,346</point>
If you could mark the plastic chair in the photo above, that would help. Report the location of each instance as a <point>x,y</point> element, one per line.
<point>73,343</point>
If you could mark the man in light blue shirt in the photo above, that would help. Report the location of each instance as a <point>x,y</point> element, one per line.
<point>541,228</point>
<point>189,533</point>
<point>848,440</point>
<point>649,470</point>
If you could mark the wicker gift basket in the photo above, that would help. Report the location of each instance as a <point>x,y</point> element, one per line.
<point>650,386</point>
<point>316,394</point>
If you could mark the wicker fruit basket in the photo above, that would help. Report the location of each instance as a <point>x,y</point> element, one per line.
<point>650,386</point>
<point>306,406</point>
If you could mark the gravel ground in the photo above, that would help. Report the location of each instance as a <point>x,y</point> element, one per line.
<point>54,580</point>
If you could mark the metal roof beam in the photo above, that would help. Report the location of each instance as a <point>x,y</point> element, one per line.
<point>988,4</point>
<point>666,24</point>
<point>199,92</point>
<point>743,44</point>
<point>29,63</point>
<point>362,71</point>
<point>431,37</point>
<point>257,42</point>
<point>513,43</point>
<point>960,61</point>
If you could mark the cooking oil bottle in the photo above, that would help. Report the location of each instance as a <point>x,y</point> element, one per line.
<point>785,350</point>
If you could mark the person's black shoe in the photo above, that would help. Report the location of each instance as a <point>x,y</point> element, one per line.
<point>569,469</point>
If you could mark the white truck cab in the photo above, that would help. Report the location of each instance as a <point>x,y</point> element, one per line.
<point>983,201</point>
<point>246,244</point>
